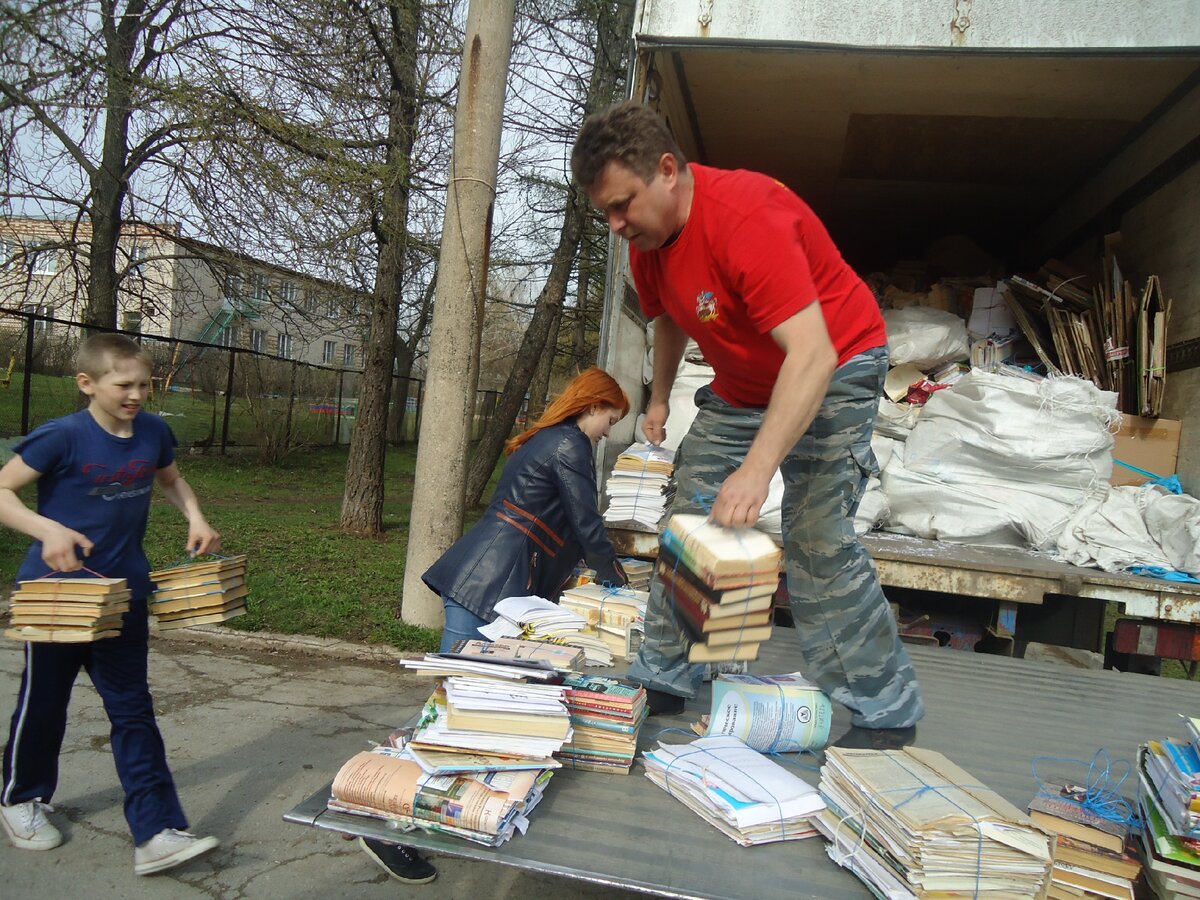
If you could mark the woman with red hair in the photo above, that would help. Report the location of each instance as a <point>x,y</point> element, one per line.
<point>543,518</point>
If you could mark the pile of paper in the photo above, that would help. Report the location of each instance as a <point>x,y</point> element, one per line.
<point>748,797</point>
<point>720,582</point>
<point>537,619</point>
<point>606,716</point>
<point>617,615</point>
<point>199,593</point>
<point>1169,795</point>
<point>639,487</point>
<point>912,824</point>
<point>67,610</point>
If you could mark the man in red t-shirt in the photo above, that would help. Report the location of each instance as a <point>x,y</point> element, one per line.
<point>739,263</point>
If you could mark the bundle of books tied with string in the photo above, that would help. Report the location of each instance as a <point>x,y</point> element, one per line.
<point>479,757</point>
<point>638,571</point>
<point>616,615</point>
<point>640,487</point>
<point>720,582</point>
<point>1169,802</point>
<point>912,824</point>
<point>199,593</point>
<point>606,717</point>
<point>67,610</point>
<point>538,619</point>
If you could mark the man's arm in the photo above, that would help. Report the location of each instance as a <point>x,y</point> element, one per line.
<point>201,536</point>
<point>669,343</point>
<point>799,390</point>
<point>58,541</point>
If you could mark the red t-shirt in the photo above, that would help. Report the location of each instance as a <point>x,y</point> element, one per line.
<point>751,256</point>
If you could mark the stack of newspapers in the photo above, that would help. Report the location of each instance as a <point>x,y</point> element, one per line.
<point>639,487</point>
<point>606,716</point>
<point>479,758</point>
<point>617,615</point>
<point>741,792</point>
<point>910,824</point>
<point>720,583</point>
<point>538,619</point>
<point>67,610</point>
<point>199,593</point>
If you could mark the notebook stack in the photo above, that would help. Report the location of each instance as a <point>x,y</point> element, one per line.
<point>638,572</point>
<point>537,619</point>
<point>639,487</point>
<point>606,716</point>
<point>1091,859</point>
<point>616,615</point>
<point>67,610</point>
<point>200,593</point>
<point>910,823</point>
<point>720,582</point>
<point>1169,799</point>
<point>739,791</point>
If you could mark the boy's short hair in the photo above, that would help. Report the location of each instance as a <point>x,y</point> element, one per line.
<point>628,133</point>
<point>99,354</point>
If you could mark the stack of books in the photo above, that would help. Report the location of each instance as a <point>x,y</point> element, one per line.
<point>1093,858</point>
<point>617,615</point>
<point>200,593</point>
<point>910,823</point>
<point>67,610</point>
<point>638,572</point>
<point>639,487</point>
<point>739,791</point>
<point>538,619</point>
<point>720,582</point>
<point>606,716</point>
<point>1169,802</point>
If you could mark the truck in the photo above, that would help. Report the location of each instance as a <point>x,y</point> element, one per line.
<point>1034,128</point>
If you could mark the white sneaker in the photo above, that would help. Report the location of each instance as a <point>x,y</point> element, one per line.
<point>27,826</point>
<point>169,848</point>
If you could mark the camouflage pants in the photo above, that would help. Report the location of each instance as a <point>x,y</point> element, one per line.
<point>847,635</point>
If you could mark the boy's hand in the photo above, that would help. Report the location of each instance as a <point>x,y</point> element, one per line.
<point>58,549</point>
<point>202,538</point>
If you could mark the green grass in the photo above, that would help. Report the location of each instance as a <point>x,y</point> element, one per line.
<point>306,576</point>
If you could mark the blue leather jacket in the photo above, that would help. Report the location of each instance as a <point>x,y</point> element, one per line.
<point>543,519</point>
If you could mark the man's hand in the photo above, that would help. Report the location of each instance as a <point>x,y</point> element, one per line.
<point>58,549</point>
<point>740,499</point>
<point>655,421</point>
<point>202,538</point>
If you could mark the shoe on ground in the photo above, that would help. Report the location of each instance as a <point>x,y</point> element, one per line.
<point>402,863</point>
<point>660,703</point>
<point>170,848</point>
<point>858,738</point>
<point>27,826</point>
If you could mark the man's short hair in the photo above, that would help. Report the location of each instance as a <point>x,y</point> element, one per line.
<point>628,133</point>
<point>100,353</point>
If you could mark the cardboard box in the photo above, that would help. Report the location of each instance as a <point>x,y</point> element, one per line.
<point>1150,444</point>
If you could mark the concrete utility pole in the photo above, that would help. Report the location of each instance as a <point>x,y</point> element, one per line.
<point>437,507</point>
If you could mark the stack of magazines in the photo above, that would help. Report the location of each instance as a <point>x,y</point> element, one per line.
<point>741,792</point>
<point>537,619</point>
<point>639,488</point>
<point>67,610</point>
<point>606,716</point>
<point>720,582</point>
<point>199,593</point>
<point>1169,798</point>
<point>911,824</point>
<point>617,615</point>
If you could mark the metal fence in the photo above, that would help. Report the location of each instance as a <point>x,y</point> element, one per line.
<point>213,396</point>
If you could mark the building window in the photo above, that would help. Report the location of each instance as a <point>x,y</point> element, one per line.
<point>137,255</point>
<point>331,309</point>
<point>9,250</point>
<point>285,345</point>
<point>131,320</point>
<point>327,352</point>
<point>311,302</point>
<point>259,287</point>
<point>258,339</point>
<point>39,326</point>
<point>225,337</point>
<point>348,355</point>
<point>43,259</point>
<point>233,286</point>
<point>287,293</point>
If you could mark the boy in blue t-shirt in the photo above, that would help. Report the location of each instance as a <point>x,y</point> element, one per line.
<point>95,472</point>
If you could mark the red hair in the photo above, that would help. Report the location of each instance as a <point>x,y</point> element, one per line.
<point>595,387</point>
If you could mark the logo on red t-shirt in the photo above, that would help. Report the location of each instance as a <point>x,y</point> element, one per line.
<point>706,306</point>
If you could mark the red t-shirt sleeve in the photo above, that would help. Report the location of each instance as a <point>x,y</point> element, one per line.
<point>768,267</point>
<point>646,284</point>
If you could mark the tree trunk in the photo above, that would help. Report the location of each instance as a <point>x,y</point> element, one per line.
<point>406,355</point>
<point>362,502</point>
<point>437,507</point>
<point>539,387</point>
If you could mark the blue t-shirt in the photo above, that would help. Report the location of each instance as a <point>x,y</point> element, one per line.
<point>99,485</point>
